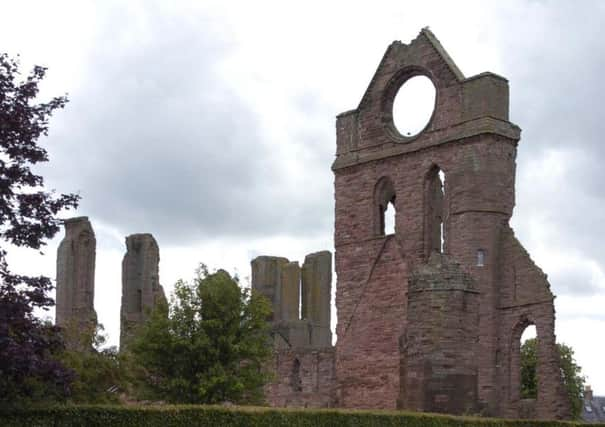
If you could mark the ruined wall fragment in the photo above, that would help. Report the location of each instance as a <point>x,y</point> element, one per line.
<point>141,289</point>
<point>316,288</point>
<point>267,279</point>
<point>290,292</point>
<point>303,352</point>
<point>76,280</point>
<point>470,139</point>
<point>303,379</point>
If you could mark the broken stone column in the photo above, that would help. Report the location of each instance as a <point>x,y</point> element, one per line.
<point>283,282</point>
<point>291,329</point>
<point>316,293</point>
<point>290,291</point>
<point>141,289</point>
<point>76,281</point>
<point>267,279</point>
<point>279,281</point>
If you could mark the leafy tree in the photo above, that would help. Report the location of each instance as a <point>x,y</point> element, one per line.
<point>572,374</point>
<point>529,363</point>
<point>209,345</point>
<point>28,216</point>
<point>99,373</point>
<point>574,380</point>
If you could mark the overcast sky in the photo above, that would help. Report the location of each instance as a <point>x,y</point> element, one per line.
<point>211,125</point>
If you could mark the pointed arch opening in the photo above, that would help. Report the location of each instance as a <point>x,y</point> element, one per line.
<point>435,211</point>
<point>524,367</point>
<point>385,212</point>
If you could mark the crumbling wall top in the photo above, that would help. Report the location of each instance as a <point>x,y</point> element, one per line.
<point>136,241</point>
<point>75,225</point>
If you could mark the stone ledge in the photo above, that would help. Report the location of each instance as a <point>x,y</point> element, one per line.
<point>480,126</point>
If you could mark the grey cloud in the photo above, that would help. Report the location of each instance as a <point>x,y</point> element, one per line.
<point>570,220</point>
<point>553,60</point>
<point>565,315</point>
<point>573,281</point>
<point>159,142</point>
<point>571,208</point>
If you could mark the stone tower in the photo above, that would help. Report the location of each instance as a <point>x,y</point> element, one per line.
<point>430,317</point>
<point>302,339</point>
<point>76,277</point>
<point>438,358</point>
<point>141,289</point>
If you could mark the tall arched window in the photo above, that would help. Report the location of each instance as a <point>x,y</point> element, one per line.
<point>435,210</point>
<point>525,363</point>
<point>384,207</point>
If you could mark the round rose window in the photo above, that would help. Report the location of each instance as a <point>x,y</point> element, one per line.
<point>413,105</point>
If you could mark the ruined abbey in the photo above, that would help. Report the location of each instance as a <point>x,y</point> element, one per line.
<point>429,317</point>
<point>424,325</point>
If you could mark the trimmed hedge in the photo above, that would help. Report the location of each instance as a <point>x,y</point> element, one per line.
<point>213,416</point>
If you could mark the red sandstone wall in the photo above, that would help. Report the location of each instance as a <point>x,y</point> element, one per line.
<point>368,346</point>
<point>439,365</point>
<point>526,299</point>
<point>357,248</point>
<point>313,386</point>
<point>471,140</point>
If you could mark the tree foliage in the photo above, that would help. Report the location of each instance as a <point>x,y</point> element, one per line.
<point>209,345</point>
<point>571,373</point>
<point>99,373</point>
<point>529,375</point>
<point>28,216</point>
<point>574,380</point>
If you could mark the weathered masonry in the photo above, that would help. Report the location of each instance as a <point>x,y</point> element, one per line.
<point>304,356</point>
<point>141,289</point>
<point>424,325</point>
<point>76,278</point>
<point>430,316</point>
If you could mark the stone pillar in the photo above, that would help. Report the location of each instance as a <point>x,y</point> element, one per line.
<point>141,289</point>
<point>304,364</point>
<point>290,291</point>
<point>316,293</point>
<point>266,279</point>
<point>76,281</point>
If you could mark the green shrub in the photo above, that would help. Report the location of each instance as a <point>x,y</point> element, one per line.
<point>212,416</point>
<point>208,346</point>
